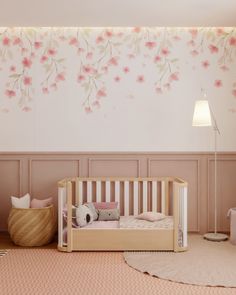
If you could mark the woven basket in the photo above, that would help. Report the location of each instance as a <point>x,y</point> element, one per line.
<point>33,226</point>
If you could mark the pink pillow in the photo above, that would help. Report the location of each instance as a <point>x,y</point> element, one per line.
<point>35,203</point>
<point>151,216</point>
<point>105,205</point>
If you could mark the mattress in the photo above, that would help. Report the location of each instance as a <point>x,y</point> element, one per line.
<point>132,223</point>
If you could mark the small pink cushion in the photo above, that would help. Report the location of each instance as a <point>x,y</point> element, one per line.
<point>105,205</point>
<point>151,216</point>
<point>35,203</point>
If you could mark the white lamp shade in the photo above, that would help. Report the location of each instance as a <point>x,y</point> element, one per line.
<point>202,114</point>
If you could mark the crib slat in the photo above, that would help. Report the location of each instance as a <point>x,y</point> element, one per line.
<point>117,193</point>
<point>144,196</point>
<point>108,191</point>
<point>185,221</point>
<point>89,191</point>
<point>77,196</point>
<point>80,193</point>
<point>126,200</point>
<point>136,198</point>
<point>163,193</point>
<point>98,191</point>
<point>154,196</point>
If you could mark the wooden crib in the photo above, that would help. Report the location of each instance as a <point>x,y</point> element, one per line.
<point>134,196</point>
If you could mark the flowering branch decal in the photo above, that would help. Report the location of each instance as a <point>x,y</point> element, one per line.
<point>39,58</point>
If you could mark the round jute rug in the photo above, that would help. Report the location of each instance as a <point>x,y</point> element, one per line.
<point>205,263</point>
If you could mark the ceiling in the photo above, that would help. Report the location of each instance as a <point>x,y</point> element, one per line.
<point>118,13</point>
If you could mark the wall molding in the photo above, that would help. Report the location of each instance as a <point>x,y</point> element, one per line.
<point>20,171</point>
<point>90,160</point>
<point>31,160</point>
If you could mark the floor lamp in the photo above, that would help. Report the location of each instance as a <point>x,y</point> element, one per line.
<point>203,116</point>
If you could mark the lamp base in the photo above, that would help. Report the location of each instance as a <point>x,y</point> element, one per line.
<point>215,237</point>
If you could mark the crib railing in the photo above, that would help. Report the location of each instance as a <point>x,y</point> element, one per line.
<point>134,196</point>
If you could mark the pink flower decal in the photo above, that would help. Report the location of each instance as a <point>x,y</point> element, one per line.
<point>113,61</point>
<point>157,58</point>
<point>26,62</point>
<point>51,52</point>
<point>158,90</point>
<point>12,68</point>
<point>37,44</point>
<point>218,83</point>
<point>194,53</point>
<point>137,30</point>
<point>45,90</point>
<point>10,93</point>
<point>213,48</point>
<point>17,41</point>
<point>73,42</point>
<point>150,44</point>
<point>117,79</point>
<point>193,32</point>
<point>60,77</point>
<point>96,104</point>
<point>27,81</point>
<point>126,70</point>
<point>99,39</point>
<point>165,51</point>
<point>108,34</point>
<point>174,77</point>
<point>6,41</point>
<point>220,31</point>
<point>232,41</point>
<point>101,93</point>
<point>87,69</point>
<point>131,56</point>
<point>43,58</point>
<point>205,64</point>
<point>80,78</point>
<point>140,79</point>
<point>224,68</point>
<point>88,110</point>
<point>89,55</point>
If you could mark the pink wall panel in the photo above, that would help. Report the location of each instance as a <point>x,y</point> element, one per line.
<point>226,191</point>
<point>10,185</point>
<point>44,174</point>
<point>114,167</point>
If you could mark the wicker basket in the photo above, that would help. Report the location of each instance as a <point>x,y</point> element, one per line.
<point>33,226</point>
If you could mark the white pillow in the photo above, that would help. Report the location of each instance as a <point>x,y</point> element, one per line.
<point>23,202</point>
<point>151,216</point>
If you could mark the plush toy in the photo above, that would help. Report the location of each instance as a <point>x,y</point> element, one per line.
<point>84,216</point>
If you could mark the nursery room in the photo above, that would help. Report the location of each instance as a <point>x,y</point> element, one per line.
<point>118,147</point>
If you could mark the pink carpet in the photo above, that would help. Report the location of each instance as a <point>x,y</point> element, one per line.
<point>46,271</point>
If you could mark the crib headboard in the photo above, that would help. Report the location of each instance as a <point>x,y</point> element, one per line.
<point>134,195</point>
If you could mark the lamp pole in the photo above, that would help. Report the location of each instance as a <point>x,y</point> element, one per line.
<point>217,237</point>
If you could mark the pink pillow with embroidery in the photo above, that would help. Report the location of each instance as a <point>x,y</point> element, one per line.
<point>105,205</point>
<point>35,203</point>
<point>151,216</point>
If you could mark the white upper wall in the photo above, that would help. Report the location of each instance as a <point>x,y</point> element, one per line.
<point>118,13</point>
